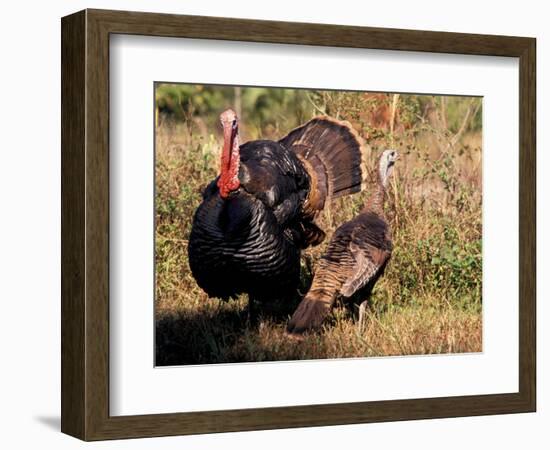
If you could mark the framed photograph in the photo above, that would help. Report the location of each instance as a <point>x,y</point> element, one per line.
<point>272,225</point>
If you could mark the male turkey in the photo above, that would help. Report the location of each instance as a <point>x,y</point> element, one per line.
<point>255,218</point>
<point>354,260</point>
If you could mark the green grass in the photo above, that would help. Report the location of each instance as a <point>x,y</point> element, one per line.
<point>428,301</point>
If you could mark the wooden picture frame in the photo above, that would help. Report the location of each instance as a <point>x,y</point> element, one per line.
<point>85,224</point>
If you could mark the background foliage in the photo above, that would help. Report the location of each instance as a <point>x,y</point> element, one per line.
<point>429,300</point>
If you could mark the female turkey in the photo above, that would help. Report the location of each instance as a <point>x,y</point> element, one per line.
<point>354,260</point>
<point>255,218</point>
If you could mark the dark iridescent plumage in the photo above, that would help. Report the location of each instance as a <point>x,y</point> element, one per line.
<point>250,242</point>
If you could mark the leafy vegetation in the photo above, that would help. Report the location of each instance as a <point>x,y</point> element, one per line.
<point>429,300</point>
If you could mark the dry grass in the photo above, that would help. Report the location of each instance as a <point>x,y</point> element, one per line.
<point>429,300</point>
<point>219,332</point>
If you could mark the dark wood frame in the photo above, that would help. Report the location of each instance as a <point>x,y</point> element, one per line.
<point>85,224</point>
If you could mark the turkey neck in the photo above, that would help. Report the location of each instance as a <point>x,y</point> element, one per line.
<point>376,201</point>
<point>229,173</point>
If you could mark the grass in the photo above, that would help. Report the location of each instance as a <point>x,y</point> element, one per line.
<point>428,301</point>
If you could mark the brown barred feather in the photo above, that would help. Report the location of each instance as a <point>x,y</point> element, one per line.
<point>336,155</point>
<point>354,260</point>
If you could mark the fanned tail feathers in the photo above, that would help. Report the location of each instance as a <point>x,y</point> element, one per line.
<point>334,155</point>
